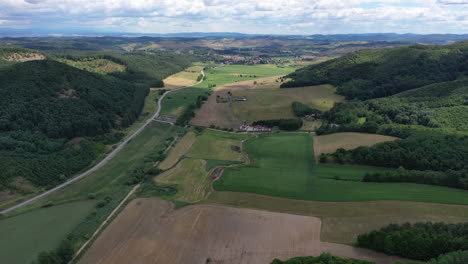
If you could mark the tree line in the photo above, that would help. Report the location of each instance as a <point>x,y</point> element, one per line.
<point>420,241</point>
<point>283,124</point>
<point>449,178</point>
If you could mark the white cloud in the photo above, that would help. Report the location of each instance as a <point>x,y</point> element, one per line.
<point>261,16</point>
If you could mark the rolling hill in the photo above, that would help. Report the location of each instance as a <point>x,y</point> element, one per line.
<point>383,72</point>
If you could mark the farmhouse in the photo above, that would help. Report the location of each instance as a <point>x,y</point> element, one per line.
<point>254,129</point>
<point>311,117</point>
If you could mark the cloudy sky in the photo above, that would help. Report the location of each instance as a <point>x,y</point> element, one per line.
<point>246,16</point>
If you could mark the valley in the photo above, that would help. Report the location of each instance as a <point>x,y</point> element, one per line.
<point>340,151</point>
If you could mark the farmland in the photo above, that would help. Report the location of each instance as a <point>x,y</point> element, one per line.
<point>199,154</point>
<point>283,165</point>
<point>183,78</point>
<point>216,145</point>
<point>276,103</point>
<point>216,77</point>
<point>342,222</point>
<point>26,235</point>
<point>211,234</point>
<point>347,140</point>
<point>265,100</point>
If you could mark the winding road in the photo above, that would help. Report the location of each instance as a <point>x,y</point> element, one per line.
<point>107,158</point>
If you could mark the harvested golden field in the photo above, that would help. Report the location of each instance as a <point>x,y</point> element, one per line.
<point>193,182</point>
<point>183,78</point>
<point>342,222</point>
<point>150,231</point>
<point>180,149</point>
<point>347,140</point>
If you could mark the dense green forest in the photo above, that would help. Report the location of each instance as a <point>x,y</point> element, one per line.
<point>324,258</point>
<point>382,72</point>
<point>64,102</point>
<point>421,241</point>
<point>55,119</point>
<point>141,68</point>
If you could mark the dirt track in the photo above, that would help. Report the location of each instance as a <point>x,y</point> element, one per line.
<point>149,231</point>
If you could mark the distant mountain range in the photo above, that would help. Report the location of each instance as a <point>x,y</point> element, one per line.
<point>415,38</point>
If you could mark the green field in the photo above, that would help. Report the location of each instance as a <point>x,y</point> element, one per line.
<point>231,73</point>
<point>283,165</point>
<point>215,145</point>
<point>24,236</point>
<point>286,173</point>
<point>177,101</point>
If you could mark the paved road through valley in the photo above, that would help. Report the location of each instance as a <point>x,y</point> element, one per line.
<point>107,158</point>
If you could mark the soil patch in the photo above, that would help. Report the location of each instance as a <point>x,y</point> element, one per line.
<point>217,173</point>
<point>149,231</point>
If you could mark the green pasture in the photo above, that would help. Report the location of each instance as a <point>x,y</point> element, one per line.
<point>24,236</point>
<point>283,165</point>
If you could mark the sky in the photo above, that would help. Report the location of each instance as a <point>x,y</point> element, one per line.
<point>245,16</point>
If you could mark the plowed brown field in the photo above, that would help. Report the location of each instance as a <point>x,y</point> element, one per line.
<point>150,231</point>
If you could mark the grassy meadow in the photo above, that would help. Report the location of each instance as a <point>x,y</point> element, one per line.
<point>274,103</point>
<point>26,235</point>
<point>215,145</point>
<point>179,150</point>
<point>191,180</point>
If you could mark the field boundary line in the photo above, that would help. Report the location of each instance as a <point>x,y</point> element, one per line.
<point>107,157</point>
<point>103,224</point>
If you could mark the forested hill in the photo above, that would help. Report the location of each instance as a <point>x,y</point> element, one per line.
<point>65,102</point>
<point>378,73</point>
<point>11,55</point>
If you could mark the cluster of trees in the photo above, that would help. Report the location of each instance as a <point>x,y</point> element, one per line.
<point>449,178</point>
<point>421,151</point>
<point>456,257</point>
<point>189,111</point>
<point>301,110</point>
<point>63,254</point>
<point>421,241</point>
<point>378,73</point>
<point>283,124</point>
<point>324,258</point>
